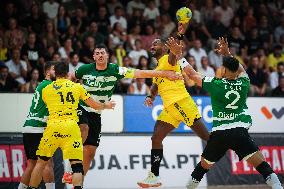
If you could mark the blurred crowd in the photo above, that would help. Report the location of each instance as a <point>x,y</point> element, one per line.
<point>33,32</point>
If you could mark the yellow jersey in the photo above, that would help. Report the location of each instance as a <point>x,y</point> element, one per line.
<point>170,91</point>
<point>62,98</point>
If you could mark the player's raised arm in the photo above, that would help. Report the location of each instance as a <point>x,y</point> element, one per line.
<point>151,97</point>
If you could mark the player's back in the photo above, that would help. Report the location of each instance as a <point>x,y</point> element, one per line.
<point>62,99</point>
<point>170,91</point>
<point>228,98</point>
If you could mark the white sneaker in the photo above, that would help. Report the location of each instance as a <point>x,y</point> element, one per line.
<point>273,181</point>
<point>150,181</point>
<point>192,184</point>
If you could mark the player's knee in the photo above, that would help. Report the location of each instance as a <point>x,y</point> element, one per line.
<point>206,164</point>
<point>31,164</point>
<point>156,139</point>
<point>77,168</point>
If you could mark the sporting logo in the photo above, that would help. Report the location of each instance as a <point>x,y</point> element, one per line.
<point>274,112</point>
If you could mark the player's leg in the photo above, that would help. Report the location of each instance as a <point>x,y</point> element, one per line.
<point>48,175</point>
<point>78,172</point>
<point>36,175</point>
<point>215,149</point>
<point>84,128</point>
<point>200,129</point>
<point>246,149</point>
<point>164,125</point>
<point>31,142</point>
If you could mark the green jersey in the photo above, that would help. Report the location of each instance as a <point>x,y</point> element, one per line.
<point>37,117</point>
<point>228,98</point>
<point>101,83</point>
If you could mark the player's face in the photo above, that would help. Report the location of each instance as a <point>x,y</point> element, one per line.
<point>100,56</point>
<point>156,48</point>
<point>51,73</point>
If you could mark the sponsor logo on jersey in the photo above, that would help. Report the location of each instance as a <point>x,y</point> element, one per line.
<point>269,114</point>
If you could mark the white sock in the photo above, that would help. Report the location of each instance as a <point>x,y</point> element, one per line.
<point>192,183</point>
<point>50,185</point>
<point>22,186</point>
<point>273,181</point>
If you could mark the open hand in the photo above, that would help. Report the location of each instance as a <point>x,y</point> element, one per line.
<point>110,105</point>
<point>149,102</point>
<point>175,47</point>
<point>222,47</point>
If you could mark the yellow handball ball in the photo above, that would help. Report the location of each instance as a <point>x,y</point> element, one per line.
<point>183,15</point>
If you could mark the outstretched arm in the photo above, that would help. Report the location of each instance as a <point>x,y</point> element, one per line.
<point>98,105</point>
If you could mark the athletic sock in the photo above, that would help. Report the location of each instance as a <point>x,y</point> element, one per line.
<point>22,186</point>
<point>50,185</point>
<point>156,158</point>
<point>198,172</point>
<point>268,174</point>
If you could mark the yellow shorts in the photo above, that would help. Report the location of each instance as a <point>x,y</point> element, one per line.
<point>184,110</point>
<point>61,134</point>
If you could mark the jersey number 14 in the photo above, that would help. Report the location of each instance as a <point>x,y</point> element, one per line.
<point>69,97</point>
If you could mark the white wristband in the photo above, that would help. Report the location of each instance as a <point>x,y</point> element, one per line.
<point>183,63</point>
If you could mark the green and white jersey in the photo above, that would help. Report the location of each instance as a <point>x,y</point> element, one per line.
<point>37,117</point>
<point>101,83</point>
<point>228,98</point>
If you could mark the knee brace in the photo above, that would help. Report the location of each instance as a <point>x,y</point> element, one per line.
<point>77,168</point>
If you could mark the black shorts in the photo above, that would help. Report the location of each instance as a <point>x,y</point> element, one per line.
<point>94,121</point>
<point>236,139</point>
<point>31,143</point>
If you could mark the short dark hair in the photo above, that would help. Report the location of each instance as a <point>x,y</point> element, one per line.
<point>61,69</point>
<point>72,54</point>
<point>231,63</point>
<point>280,64</point>
<point>48,65</point>
<point>101,46</point>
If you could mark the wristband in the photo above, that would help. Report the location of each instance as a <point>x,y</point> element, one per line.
<point>183,63</point>
<point>150,96</point>
<point>180,36</point>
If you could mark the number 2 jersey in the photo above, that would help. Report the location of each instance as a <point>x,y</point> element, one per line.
<point>36,119</point>
<point>228,98</point>
<point>62,98</point>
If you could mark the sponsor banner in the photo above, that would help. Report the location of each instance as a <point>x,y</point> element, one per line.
<point>139,118</point>
<point>14,109</point>
<point>12,162</point>
<point>121,161</point>
<point>230,171</point>
<point>267,115</point>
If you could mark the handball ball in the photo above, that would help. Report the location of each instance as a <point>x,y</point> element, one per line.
<point>183,15</point>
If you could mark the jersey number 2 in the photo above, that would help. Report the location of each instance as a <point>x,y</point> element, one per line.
<point>232,104</point>
<point>69,97</point>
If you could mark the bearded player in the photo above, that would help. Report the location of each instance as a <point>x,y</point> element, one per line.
<point>231,119</point>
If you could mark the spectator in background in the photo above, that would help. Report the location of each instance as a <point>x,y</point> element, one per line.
<point>243,9</point>
<point>275,57</point>
<point>50,8</point>
<point>48,53</point>
<point>233,51</point>
<point>36,20</point>
<point>120,52</point>
<point>125,82</point>
<point>236,22</point>
<point>274,76</point>
<point>32,52</point>
<point>3,51</point>
<point>117,17</point>
<point>136,19</point>
<point>56,57</point>
<point>149,37</point>
<point>86,53</point>
<point>80,20</point>
<point>9,12</point>
<point>7,83</point>
<point>196,15</point>
<point>50,36</point>
<point>117,37</point>
<point>197,52</point>
<point>133,36</point>
<point>93,32</point>
<point>134,4</point>
<point>66,49</point>
<point>215,27</point>
<point>235,40</point>
<point>30,86</point>
<point>143,63</point>
<point>215,59</point>
<point>249,21</point>
<point>112,4</point>
<point>14,37</point>
<point>265,32</point>
<point>17,68</point>
<point>207,11</point>
<point>279,91</point>
<point>103,22</point>
<point>138,87</point>
<point>205,69</point>
<point>257,78</point>
<point>226,12</point>
<point>165,8</point>
<point>279,31</point>
<point>137,53</point>
<point>253,42</point>
<point>62,21</point>
<point>151,12</point>
<point>74,63</point>
<point>167,26</point>
<point>72,34</point>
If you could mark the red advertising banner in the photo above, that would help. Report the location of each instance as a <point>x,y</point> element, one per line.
<point>12,162</point>
<point>274,155</point>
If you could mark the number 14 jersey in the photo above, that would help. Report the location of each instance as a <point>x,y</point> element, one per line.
<point>228,98</point>
<point>36,119</point>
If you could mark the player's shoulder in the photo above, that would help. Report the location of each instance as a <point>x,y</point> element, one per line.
<point>43,84</point>
<point>112,66</point>
<point>85,67</point>
<point>164,59</point>
<point>208,79</point>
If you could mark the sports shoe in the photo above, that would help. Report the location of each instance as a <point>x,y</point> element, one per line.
<point>192,184</point>
<point>67,178</point>
<point>273,181</point>
<point>150,181</point>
